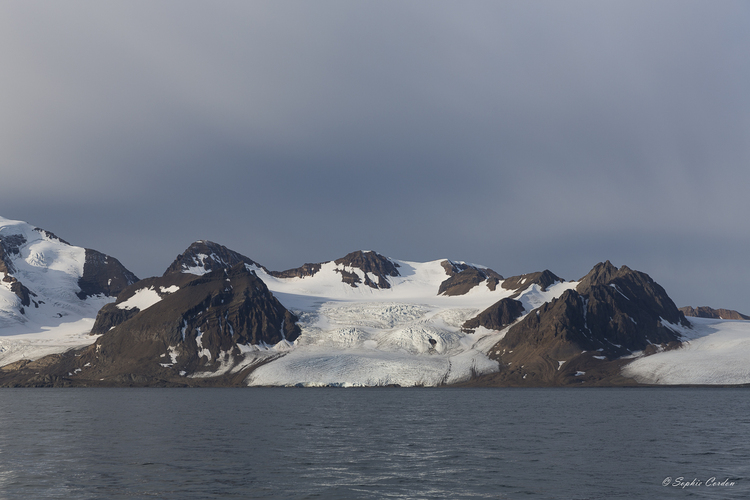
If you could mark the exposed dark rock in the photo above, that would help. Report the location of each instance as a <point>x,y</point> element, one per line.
<point>9,246</point>
<point>600,274</point>
<point>298,272</point>
<point>23,293</point>
<point>613,313</point>
<point>351,278</point>
<point>520,283</point>
<point>110,316</point>
<point>709,312</point>
<point>463,277</point>
<point>497,316</point>
<point>637,287</point>
<point>203,322</point>
<point>372,263</point>
<point>103,275</point>
<point>208,255</point>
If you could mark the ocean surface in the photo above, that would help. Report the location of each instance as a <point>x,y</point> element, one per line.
<point>374,443</point>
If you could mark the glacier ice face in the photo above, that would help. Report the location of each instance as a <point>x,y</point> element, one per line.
<point>406,335</point>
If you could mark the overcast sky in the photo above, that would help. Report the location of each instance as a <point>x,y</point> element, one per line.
<point>517,135</point>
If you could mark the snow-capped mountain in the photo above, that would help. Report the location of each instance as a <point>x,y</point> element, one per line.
<point>50,291</point>
<point>363,319</point>
<point>216,317</point>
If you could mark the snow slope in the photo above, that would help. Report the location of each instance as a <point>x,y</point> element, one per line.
<point>406,335</point>
<point>57,319</point>
<point>717,352</point>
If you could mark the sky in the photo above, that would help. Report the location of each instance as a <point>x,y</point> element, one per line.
<point>518,135</point>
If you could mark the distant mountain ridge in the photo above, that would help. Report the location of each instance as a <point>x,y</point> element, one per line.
<point>216,317</point>
<point>709,312</point>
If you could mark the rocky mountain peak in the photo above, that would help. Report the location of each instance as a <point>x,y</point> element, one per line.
<point>600,274</point>
<point>522,282</point>
<point>205,256</point>
<point>463,277</point>
<point>45,271</point>
<point>612,313</point>
<point>371,263</point>
<point>203,323</point>
<point>634,286</point>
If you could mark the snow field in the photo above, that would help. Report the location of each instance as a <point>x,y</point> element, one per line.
<point>718,353</point>
<point>50,269</point>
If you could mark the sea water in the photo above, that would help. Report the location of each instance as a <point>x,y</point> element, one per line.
<point>374,443</point>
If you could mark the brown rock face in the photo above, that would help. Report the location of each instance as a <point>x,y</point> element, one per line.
<point>209,255</point>
<point>9,246</point>
<point>203,322</point>
<point>613,313</point>
<point>638,288</point>
<point>103,275</point>
<point>497,316</point>
<point>110,315</point>
<point>372,263</point>
<point>463,277</point>
<point>299,272</point>
<point>524,281</point>
<point>709,312</point>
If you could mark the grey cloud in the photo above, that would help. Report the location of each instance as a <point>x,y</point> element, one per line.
<point>516,135</point>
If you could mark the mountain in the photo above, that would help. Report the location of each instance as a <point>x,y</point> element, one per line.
<point>218,318</point>
<point>203,257</point>
<point>709,312</point>
<point>47,276</point>
<point>50,290</point>
<point>611,313</point>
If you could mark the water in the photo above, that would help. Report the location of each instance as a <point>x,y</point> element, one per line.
<point>373,443</point>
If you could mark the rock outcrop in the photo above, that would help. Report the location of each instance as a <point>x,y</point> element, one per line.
<point>497,316</point>
<point>206,326</point>
<point>371,263</point>
<point>612,313</point>
<point>463,277</point>
<point>103,275</point>
<point>206,256</point>
<point>709,312</point>
<point>522,282</point>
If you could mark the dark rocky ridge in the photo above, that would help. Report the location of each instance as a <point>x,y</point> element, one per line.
<point>520,283</point>
<point>110,315</point>
<point>299,272</point>
<point>612,313</point>
<point>10,245</point>
<point>464,277</point>
<point>103,275</point>
<point>371,263</point>
<point>209,255</point>
<point>709,312</point>
<point>497,316</point>
<point>203,322</point>
<point>638,288</point>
